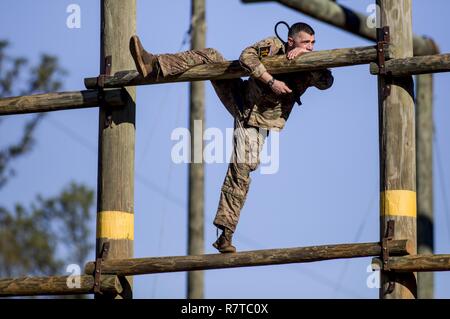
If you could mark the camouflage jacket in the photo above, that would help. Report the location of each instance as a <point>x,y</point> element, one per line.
<point>262,107</point>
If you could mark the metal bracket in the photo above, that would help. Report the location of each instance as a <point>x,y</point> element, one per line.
<point>101,90</point>
<point>389,235</point>
<point>386,89</point>
<point>383,40</point>
<point>384,244</point>
<point>98,267</point>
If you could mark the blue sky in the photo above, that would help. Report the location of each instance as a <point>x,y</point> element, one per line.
<point>326,189</point>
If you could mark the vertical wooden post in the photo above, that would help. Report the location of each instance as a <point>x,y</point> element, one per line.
<point>195,280</point>
<point>397,147</point>
<point>115,189</point>
<point>424,157</point>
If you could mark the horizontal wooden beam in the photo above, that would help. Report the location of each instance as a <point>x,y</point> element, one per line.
<point>58,101</point>
<point>415,263</point>
<point>231,69</point>
<point>140,266</point>
<point>344,18</point>
<point>415,65</point>
<point>56,285</point>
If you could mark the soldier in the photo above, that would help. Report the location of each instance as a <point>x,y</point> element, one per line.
<point>261,103</point>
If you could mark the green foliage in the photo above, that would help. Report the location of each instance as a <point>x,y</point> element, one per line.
<point>41,238</point>
<point>32,238</point>
<point>45,77</point>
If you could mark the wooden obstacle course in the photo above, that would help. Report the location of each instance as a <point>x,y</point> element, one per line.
<point>416,263</point>
<point>232,69</point>
<point>415,65</point>
<point>140,266</point>
<point>57,285</point>
<point>58,101</point>
<point>396,258</point>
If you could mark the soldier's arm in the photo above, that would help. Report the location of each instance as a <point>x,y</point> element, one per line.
<point>250,57</point>
<point>250,60</point>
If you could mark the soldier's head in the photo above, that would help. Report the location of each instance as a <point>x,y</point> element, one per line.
<point>301,35</point>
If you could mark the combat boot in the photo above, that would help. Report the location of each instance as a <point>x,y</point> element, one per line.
<point>145,61</point>
<point>223,243</point>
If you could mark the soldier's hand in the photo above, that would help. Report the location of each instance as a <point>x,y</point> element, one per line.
<point>279,87</point>
<point>295,52</point>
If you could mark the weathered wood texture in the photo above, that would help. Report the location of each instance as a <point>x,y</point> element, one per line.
<point>397,144</point>
<point>140,266</point>
<point>196,242</point>
<point>335,14</point>
<point>424,159</point>
<point>115,186</point>
<point>415,65</point>
<point>58,101</point>
<point>56,285</point>
<point>414,263</point>
<point>232,69</point>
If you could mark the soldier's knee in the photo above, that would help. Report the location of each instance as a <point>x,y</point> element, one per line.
<point>247,167</point>
<point>253,166</point>
<point>215,55</point>
<point>236,187</point>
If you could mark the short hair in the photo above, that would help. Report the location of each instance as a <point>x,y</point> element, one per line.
<point>298,27</point>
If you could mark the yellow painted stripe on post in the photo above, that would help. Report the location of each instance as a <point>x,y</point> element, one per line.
<point>398,203</point>
<point>115,225</point>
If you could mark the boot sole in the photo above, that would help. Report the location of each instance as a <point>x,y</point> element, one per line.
<point>136,49</point>
<point>226,250</point>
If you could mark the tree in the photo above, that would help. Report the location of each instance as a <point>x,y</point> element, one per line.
<point>42,239</point>
<point>44,236</point>
<point>45,77</point>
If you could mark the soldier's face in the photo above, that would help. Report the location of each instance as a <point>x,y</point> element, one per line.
<point>302,40</point>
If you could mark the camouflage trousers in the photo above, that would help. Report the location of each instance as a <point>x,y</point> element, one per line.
<point>248,140</point>
<point>228,91</point>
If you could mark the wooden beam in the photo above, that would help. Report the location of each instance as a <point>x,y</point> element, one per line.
<point>397,147</point>
<point>415,65</point>
<point>140,266</point>
<point>117,129</point>
<point>58,101</point>
<point>349,20</point>
<point>56,285</point>
<point>196,182</point>
<point>414,263</point>
<point>424,159</point>
<point>231,69</point>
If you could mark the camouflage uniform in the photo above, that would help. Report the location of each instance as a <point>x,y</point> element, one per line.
<point>255,108</point>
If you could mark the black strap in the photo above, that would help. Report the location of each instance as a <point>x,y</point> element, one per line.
<point>276,32</point>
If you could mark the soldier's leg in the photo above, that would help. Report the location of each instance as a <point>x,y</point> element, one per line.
<point>169,64</point>
<point>248,143</point>
<point>176,63</point>
<point>229,91</point>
